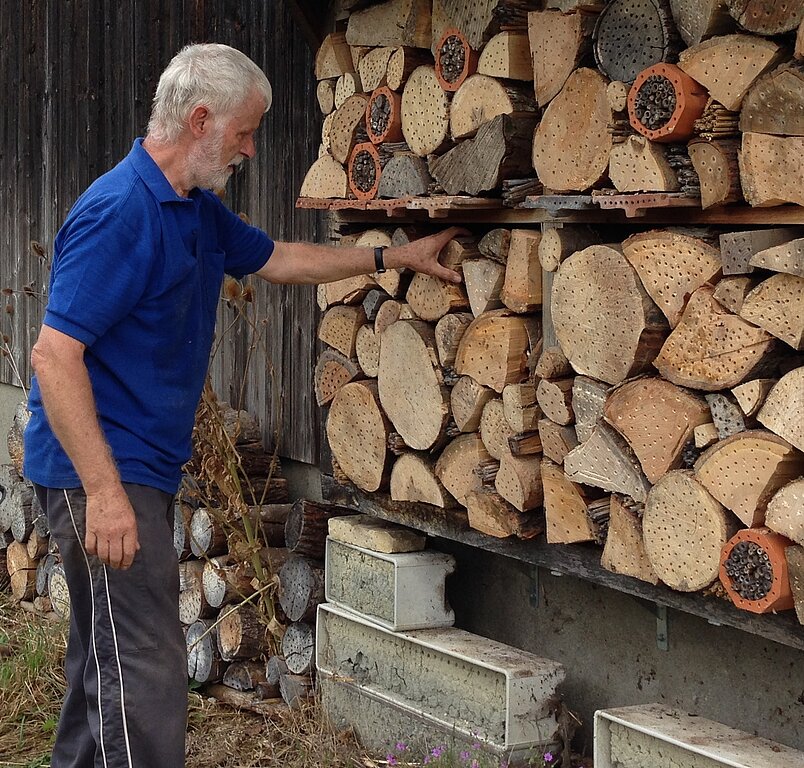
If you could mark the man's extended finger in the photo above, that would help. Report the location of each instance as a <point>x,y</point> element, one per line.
<point>91,543</point>
<point>130,547</point>
<point>115,553</point>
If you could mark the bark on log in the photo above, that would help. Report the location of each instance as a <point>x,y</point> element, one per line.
<point>455,467</point>
<point>698,20</point>
<point>301,588</point>
<point>525,443</point>
<point>522,287</point>
<point>413,479</point>
<point>787,257</point>
<point>556,440</point>
<point>718,170</point>
<point>782,412</point>
<point>244,675</point>
<point>350,290</point>
<point>333,371</point>
<point>770,167</point>
<point>620,330</point>
<point>495,244</point>
<point>507,55</point>
<point>242,634</point>
<point>766,18</point>
<point>482,98</point>
<point>207,534</point>
<point>743,472</point>
<point>777,306</point>
<point>565,508</point>
<point>784,513</point>
<point>684,530</point>
<point>224,581</point>
<point>298,648</point>
<point>306,527</point>
<point>204,662</point>
<point>21,511</point>
<point>624,551</point>
<point>394,23</point>
<point>425,112</point>
<point>711,349</point>
<point>448,333</point>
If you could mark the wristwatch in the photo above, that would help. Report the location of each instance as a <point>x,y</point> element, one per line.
<point>379,263</point>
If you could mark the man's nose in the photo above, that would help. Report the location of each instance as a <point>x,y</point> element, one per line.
<point>248,149</point>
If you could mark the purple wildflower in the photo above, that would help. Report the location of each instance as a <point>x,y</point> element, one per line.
<point>392,760</point>
<point>401,746</point>
<point>548,757</point>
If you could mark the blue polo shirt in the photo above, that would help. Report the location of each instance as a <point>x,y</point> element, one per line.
<point>136,276</point>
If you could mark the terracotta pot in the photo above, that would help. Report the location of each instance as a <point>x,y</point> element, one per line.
<point>691,100</point>
<point>470,59</point>
<point>780,595</point>
<point>393,131</point>
<point>371,150</point>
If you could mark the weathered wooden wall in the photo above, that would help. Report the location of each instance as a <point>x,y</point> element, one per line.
<point>76,80</point>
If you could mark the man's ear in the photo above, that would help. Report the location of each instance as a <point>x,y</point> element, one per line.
<point>199,121</point>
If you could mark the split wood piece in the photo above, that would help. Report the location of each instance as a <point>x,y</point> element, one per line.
<point>795,570</point>
<point>348,126</point>
<point>711,349</point>
<point>298,648</point>
<point>425,112</point>
<point>225,581</point>
<point>455,60</point>
<point>519,481</point>
<point>565,508</point>
<point>572,144</point>
<point>37,545</point>
<point>588,402</point>
<point>556,440</point>
<point>358,52</point>
<point>743,472</point>
<point>350,290</point>
<point>482,98</point>
<point>413,478</point>
<point>775,103</point>
<point>326,141</point>
<point>483,279</point>
<point>409,373</point>
<point>657,419</point>
<point>606,461</point>
<point>473,17</point>
<point>392,23</point>
<point>244,676</point>
<point>21,570</point>
<point>697,20</point>
<point>728,65</point>
<point>402,63</point>
<point>555,399</point>
<point>770,167</point>
<point>617,94</point>
<point>624,551</point>
<point>559,243</point>
<point>490,513</point>
<point>296,689</point>
<point>684,529</point>
<point>204,663</point>
<point>752,395</point>
<point>9,479</point>
<point>737,249</point>
<point>799,51</point>
<point>306,529</point>
<point>448,333</point>
<point>507,55</point>
<point>372,302</point>
<point>242,633</point>
<point>494,349</point>
<point>630,35</point>
<point>785,512</point>
<point>357,430</point>
<point>619,330</point>
<point>339,327</point>
<point>301,588</point>
<point>364,171</point>
<point>346,86</point>
<point>390,312</point>
<point>522,287</point>
<point>718,170</point>
<point>558,44</point>
<point>275,667</point>
<point>404,175</point>
<point>375,534</point>
<point>58,591</point>
<point>671,266</point>
<point>552,363</point>
<point>193,604</point>
<point>367,348</point>
<point>705,435</point>
<point>325,93</point>
<point>777,305</point>
<point>639,165</point>
<point>499,150</point>
<point>467,400</point>
<point>766,18</point>
<point>332,371</point>
<point>782,412</point>
<point>494,429</point>
<point>207,533</point>
<point>495,244</point>
<point>326,179</point>
<point>525,443</point>
<point>727,416</point>
<point>455,467</point>
<point>333,57</point>
<point>373,67</point>
<point>787,257</point>
<point>520,407</point>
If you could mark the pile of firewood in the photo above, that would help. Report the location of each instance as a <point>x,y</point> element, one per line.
<point>701,98</point>
<point>668,416</point>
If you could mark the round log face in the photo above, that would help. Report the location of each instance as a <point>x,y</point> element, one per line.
<point>358,435</point>
<point>425,112</point>
<point>410,391</point>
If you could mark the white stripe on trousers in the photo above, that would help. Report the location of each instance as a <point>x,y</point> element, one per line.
<point>94,646</point>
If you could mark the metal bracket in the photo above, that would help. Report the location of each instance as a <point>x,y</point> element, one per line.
<point>533,595</point>
<point>662,637</point>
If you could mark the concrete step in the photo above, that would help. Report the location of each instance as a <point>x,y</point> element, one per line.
<point>454,680</point>
<point>398,591</point>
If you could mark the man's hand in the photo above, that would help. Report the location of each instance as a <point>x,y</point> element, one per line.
<point>111,527</point>
<point>422,255</point>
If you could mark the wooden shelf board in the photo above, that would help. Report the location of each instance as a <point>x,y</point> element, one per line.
<point>579,560</point>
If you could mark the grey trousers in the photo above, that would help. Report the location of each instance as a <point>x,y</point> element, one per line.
<point>126,667</point>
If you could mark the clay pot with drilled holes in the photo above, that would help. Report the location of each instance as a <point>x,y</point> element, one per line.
<point>690,100</point>
<point>454,60</point>
<point>364,171</point>
<point>384,116</point>
<point>745,555</point>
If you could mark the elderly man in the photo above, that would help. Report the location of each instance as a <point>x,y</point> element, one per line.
<point>119,366</point>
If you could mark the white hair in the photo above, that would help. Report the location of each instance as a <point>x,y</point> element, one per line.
<point>209,74</point>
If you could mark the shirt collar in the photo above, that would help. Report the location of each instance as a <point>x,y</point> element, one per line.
<point>152,175</point>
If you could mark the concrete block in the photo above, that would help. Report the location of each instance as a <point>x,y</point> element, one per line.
<point>457,681</point>
<point>399,591</point>
<point>651,736</point>
<point>375,534</point>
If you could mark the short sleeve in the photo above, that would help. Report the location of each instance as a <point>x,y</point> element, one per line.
<point>247,248</point>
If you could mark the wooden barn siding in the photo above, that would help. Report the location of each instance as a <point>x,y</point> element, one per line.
<point>76,80</point>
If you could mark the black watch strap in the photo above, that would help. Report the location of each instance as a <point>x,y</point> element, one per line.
<point>379,263</point>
